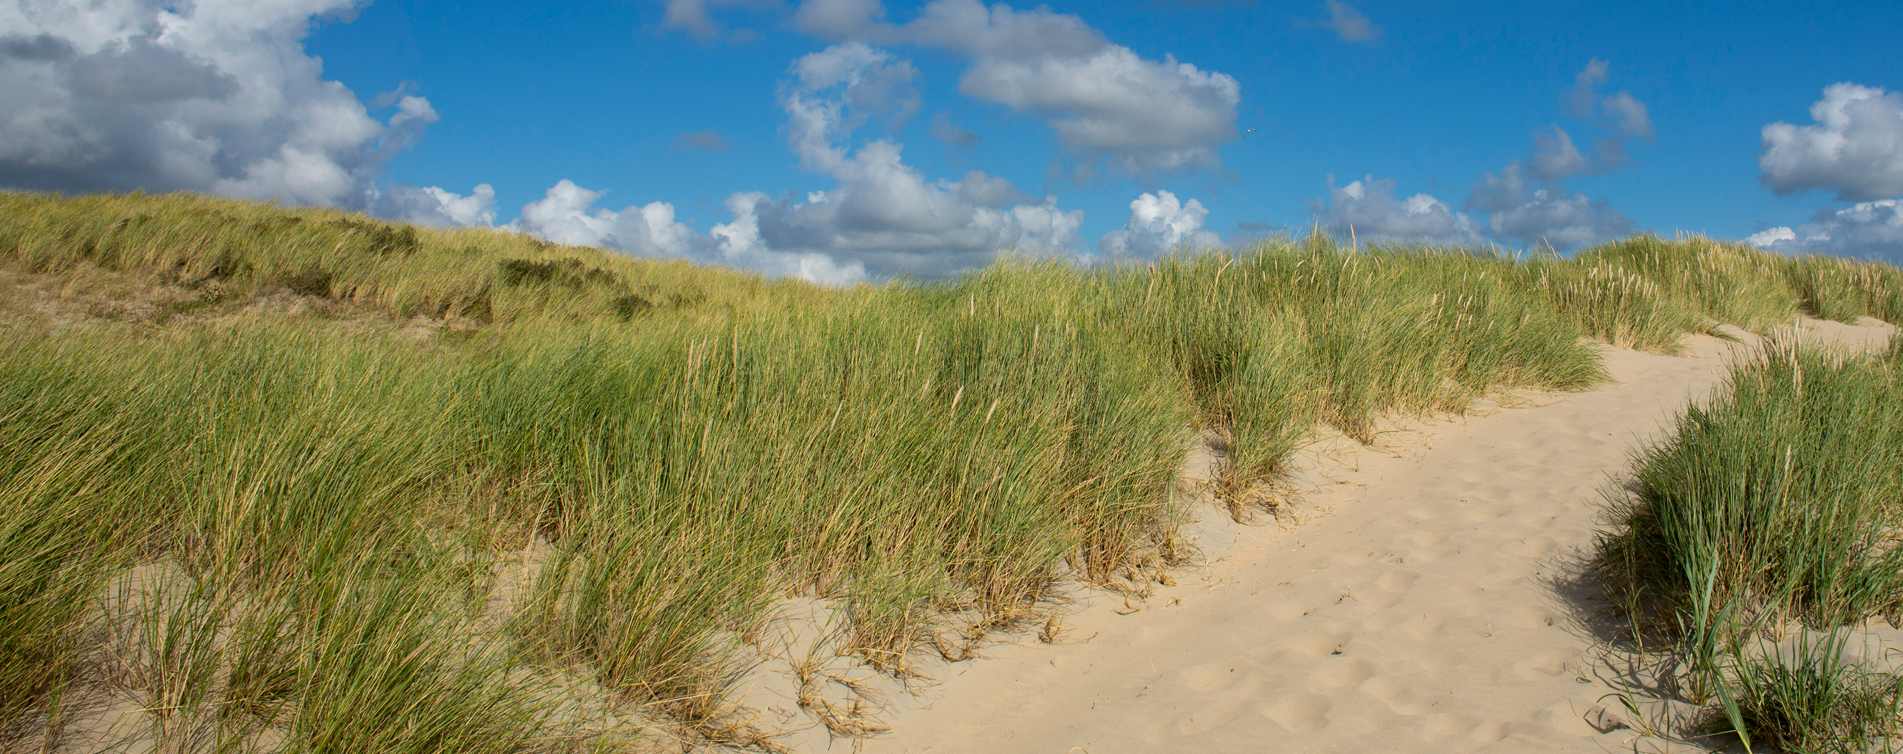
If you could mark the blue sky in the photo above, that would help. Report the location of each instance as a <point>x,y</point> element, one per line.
<point>1096,130</point>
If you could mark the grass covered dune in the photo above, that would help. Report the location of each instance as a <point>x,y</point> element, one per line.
<point>265,531</point>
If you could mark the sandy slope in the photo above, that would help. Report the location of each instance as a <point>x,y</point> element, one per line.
<point>1424,602</point>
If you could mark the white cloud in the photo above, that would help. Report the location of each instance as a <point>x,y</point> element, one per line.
<point>882,214</point>
<point>1350,24</point>
<point>1529,217</point>
<point>869,81</point>
<point>880,218</point>
<point>207,96</point>
<point>1103,99</point>
<point>1551,218</point>
<point>1771,237</point>
<point>1855,147</point>
<point>1368,210</point>
<point>566,214</point>
<point>435,206</point>
<point>1147,115</point>
<point>1159,224</point>
<point>885,216</point>
<point>1554,156</point>
<point>1871,229</point>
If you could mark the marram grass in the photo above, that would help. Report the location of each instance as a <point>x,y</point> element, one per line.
<point>282,532</point>
<point>1772,510</point>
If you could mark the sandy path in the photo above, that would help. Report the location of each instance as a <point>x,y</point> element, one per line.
<point>1420,606</point>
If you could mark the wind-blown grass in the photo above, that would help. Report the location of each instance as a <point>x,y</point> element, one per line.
<point>285,529</point>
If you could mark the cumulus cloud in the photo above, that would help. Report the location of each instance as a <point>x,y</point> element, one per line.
<point>1529,217</point>
<point>1552,218</point>
<point>1103,99</point>
<point>431,205</point>
<point>567,213</point>
<point>881,217</point>
<point>1350,24</point>
<point>1871,230</point>
<point>1771,237</point>
<point>1368,209</point>
<point>1158,224</point>
<point>1554,156</point>
<point>1854,147</point>
<point>869,82</point>
<point>217,97</point>
<point>882,214</point>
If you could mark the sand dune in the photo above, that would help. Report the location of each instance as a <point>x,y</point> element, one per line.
<point>1425,601</point>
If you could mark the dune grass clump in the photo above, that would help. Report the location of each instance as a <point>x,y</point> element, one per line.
<point>1616,305</point>
<point>1775,504</point>
<point>59,533</point>
<point>1844,289</point>
<point>230,521</point>
<point>286,532</point>
<point>1712,282</point>
<point>1780,495</point>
